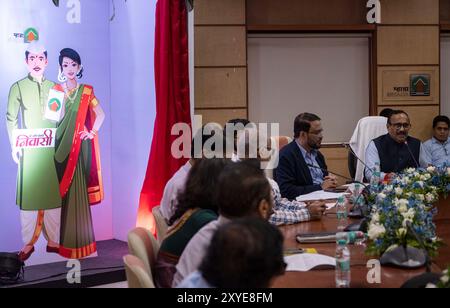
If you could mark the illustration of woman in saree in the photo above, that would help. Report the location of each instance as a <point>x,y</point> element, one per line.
<point>77,158</point>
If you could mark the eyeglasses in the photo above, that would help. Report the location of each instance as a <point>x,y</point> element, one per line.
<point>316,133</point>
<point>399,126</point>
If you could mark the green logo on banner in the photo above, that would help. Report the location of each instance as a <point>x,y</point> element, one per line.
<point>30,35</point>
<point>420,85</point>
<point>54,105</point>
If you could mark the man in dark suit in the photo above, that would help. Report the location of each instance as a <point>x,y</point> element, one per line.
<point>395,151</point>
<point>302,168</point>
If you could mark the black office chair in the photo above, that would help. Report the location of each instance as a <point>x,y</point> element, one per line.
<point>352,162</point>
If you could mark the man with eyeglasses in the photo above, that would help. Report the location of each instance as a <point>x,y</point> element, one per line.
<point>395,151</point>
<point>302,168</point>
<point>438,147</point>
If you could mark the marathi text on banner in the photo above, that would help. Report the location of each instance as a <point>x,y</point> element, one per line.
<point>34,138</point>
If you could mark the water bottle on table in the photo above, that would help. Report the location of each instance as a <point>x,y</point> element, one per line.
<point>342,214</point>
<point>343,274</point>
<point>376,178</point>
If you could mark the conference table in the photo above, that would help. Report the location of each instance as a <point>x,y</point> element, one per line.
<point>390,277</point>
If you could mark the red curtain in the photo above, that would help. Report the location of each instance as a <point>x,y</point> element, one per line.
<point>172,102</point>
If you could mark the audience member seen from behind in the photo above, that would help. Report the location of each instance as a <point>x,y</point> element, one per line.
<point>236,126</point>
<point>176,183</point>
<point>197,207</point>
<point>245,253</point>
<point>243,192</point>
<point>286,212</point>
<point>386,112</point>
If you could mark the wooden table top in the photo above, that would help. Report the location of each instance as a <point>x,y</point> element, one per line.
<point>390,277</point>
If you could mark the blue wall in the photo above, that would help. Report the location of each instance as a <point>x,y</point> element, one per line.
<point>133,101</point>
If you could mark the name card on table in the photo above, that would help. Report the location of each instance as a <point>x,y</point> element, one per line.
<point>34,138</point>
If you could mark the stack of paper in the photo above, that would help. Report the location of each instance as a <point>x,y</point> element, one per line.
<point>320,195</point>
<point>305,262</point>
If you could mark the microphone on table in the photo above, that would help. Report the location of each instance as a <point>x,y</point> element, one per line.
<point>419,240</point>
<point>412,155</point>
<point>349,148</point>
<point>349,180</point>
<point>357,211</point>
<point>328,237</point>
<point>420,256</point>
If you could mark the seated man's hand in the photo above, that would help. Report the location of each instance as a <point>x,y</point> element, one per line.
<point>316,209</point>
<point>329,183</point>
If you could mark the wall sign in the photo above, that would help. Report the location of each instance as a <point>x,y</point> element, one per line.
<point>408,85</point>
<point>420,85</point>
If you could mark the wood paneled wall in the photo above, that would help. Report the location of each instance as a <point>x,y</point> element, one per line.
<point>301,12</point>
<point>408,43</point>
<point>445,12</point>
<point>410,12</point>
<point>220,60</point>
<point>337,161</point>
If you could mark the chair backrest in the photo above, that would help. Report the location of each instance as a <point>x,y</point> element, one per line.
<point>137,275</point>
<point>366,130</point>
<point>352,164</point>
<point>279,142</point>
<point>143,245</point>
<point>282,141</point>
<point>161,224</point>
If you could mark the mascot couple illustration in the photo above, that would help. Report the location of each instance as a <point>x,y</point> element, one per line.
<point>56,185</point>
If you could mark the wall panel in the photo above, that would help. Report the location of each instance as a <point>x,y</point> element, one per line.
<point>220,46</point>
<point>409,11</point>
<point>221,87</point>
<point>221,116</point>
<point>214,12</point>
<point>337,161</point>
<point>305,12</point>
<point>408,45</point>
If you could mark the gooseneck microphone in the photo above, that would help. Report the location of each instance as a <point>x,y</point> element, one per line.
<point>349,148</point>
<point>358,210</point>
<point>424,279</point>
<point>350,180</point>
<point>412,155</point>
<point>420,240</point>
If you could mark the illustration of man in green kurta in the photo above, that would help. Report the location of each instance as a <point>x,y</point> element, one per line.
<point>37,192</point>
